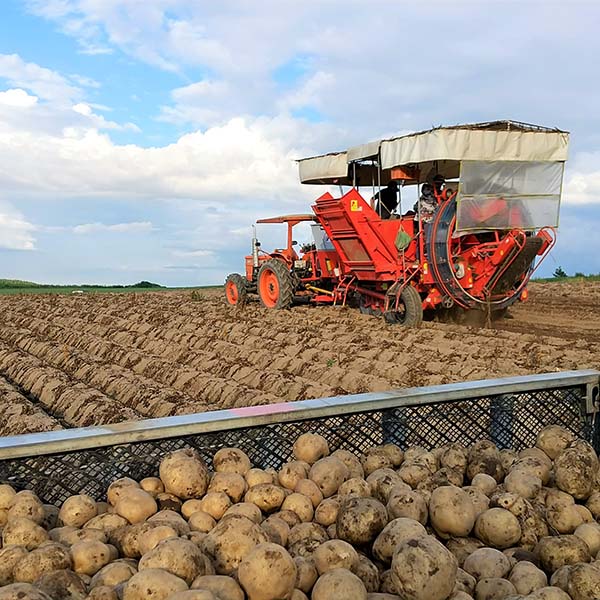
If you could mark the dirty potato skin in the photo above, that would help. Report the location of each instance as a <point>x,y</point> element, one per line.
<point>394,533</point>
<point>498,528</point>
<point>487,563</point>
<point>557,551</point>
<point>451,512</point>
<point>23,591</point>
<point>310,447</point>
<point>184,474</point>
<point>45,559</point>
<point>575,469</point>
<point>231,460</point>
<point>223,587</point>
<point>153,583</point>
<point>334,554</point>
<point>360,520</point>
<point>584,582</point>
<point>180,557</point>
<point>530,538</point>
<point>494,589</point>
<point>230,541</point>
<point>339,583</point>
<point>76,511</point>
<point>62,584</point>
<point>268,572</point>
<point>423,569</point>
<point>328,473</point>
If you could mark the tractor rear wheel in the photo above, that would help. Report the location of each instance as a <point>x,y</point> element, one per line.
<point>411,309</point>
<point>236,292</point>
<point>275,286</point>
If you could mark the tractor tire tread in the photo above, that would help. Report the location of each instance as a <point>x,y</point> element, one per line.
<point>413,305</point>
<point>286,286</point>
<point>240,283</point>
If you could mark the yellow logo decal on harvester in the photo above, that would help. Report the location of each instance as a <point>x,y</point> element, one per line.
<point>355,206</point>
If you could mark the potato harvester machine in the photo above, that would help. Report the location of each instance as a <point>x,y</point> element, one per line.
<point>496,189</point>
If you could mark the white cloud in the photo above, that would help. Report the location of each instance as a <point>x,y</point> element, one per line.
<point>57,150</point>
<point>310,92</point>
<point>101,107</point>
<point>133,227</point>
<point>45,83</point>
<point>43,119</point>
<point>200,103</point>
<point>83,109</point>
<point>93,50</point>
<point>85,81</point>
<point>15,232</point>
<point>172,33</point>
<point>362,48</point>
<point>51,9</point>
<point>241,159</point>
<point>193,253</point>
<point>192,41</point>
<point>17,97</point>
<point>240,231</point>
<point>369,69</point>
<point>98,121</point>
<point>582,188</point>
<point>582,179</point>
<point>62,109</point>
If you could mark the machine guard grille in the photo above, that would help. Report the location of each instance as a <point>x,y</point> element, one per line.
<point>506,411</point>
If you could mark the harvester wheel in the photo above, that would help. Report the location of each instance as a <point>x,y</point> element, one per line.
<point>236,292</point>
<point>275,286</point>
<point>411,313</point>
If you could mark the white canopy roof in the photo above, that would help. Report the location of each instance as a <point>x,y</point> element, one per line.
<point>364,151</point>
<point>493,141</point>
<point>324,169</point>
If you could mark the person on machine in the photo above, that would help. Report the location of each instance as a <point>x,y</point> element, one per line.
<point>426,205</point>
<point>439,187</point>
<point>440,190</point>
<point>386,200</point>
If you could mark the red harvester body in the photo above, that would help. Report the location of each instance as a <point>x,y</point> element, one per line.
<point>477,250</point>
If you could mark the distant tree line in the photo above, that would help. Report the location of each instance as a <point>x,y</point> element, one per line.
<point>18,284</point>
<point>560,273</point>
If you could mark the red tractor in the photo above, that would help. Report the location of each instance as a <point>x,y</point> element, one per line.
<point>488,208</point>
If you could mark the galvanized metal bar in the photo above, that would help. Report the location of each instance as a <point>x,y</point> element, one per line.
<point>592,397</point>
<point>69,440</point>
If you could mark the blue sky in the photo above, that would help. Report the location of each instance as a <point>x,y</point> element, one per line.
<point>140,140</point>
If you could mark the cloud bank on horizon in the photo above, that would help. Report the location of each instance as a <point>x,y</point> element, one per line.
<point>141,140</point>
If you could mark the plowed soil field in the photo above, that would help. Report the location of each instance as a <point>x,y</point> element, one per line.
<point>71,361</point>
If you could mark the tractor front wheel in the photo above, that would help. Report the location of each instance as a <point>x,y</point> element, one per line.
<point>410,313</point>
<point>236,292</point>
<point>275,286</point>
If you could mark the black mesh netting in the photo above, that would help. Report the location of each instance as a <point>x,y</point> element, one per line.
<point>511,421</point>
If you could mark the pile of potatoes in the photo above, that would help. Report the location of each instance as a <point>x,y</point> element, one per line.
<point>451,523</point>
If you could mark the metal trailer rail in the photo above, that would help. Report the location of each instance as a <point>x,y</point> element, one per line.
<point>509,411</point>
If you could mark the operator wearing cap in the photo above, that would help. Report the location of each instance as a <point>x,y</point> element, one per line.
<point>438,187</point>
<point>440,190</point>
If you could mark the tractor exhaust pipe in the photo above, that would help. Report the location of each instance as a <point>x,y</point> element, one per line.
<point>255,246</point>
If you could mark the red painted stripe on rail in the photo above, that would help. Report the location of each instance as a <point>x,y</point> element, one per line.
<point>262,409</point>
